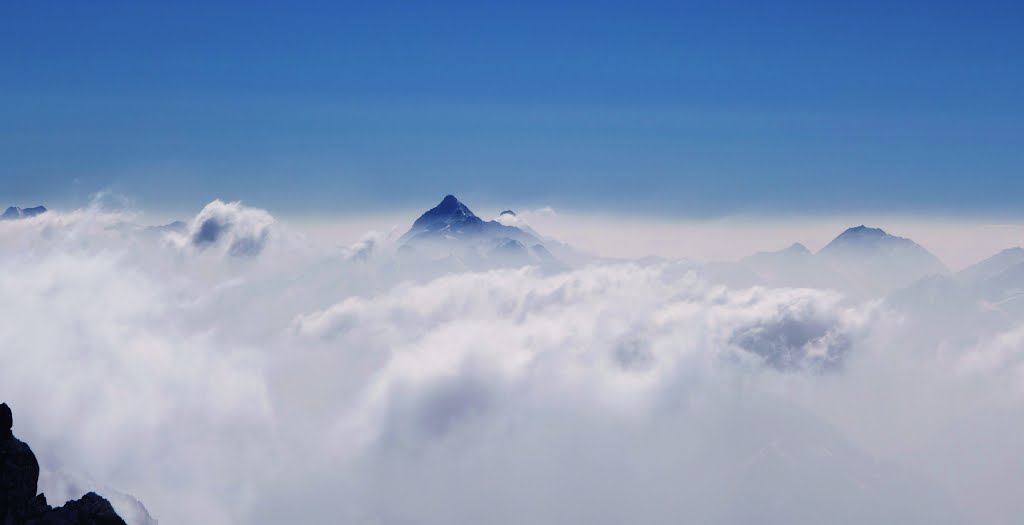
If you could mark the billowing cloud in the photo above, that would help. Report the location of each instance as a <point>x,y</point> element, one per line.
<point>324,385</point>
<point>370,246</point>
<point>229,227</point>
<point>521,219</point>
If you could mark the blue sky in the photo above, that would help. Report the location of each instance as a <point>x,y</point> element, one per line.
<point>665,108</point>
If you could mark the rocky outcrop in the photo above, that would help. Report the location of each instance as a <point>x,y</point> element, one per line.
<point>19,476</point>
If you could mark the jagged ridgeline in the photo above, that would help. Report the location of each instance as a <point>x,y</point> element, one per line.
<point>19,478</point>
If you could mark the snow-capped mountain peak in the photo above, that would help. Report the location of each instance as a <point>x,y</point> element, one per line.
<point>447,213</point>
<point>451,218</point>
<point>452,229</point>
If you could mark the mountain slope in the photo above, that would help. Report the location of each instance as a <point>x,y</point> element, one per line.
<point>992,266</point>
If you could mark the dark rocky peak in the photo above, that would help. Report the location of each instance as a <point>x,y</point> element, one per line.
<point>450,212</point>
<point>19,478</point>
<point>449,217</point>
<point>450,227</point>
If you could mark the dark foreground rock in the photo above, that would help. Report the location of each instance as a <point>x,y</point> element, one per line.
<point>19,476</point>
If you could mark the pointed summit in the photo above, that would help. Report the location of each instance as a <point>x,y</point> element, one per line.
<point>449,217</point>
<point>449,201</point>
<point>449,212</point>
<point>452,228</point>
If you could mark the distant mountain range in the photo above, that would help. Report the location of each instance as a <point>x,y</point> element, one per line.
<point>15,212</point>
<point>861,260</point>
<point>991,291</point>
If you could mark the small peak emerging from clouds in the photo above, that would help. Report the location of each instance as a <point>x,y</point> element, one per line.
<point>15,212</point>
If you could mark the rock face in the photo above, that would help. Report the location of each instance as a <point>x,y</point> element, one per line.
<point>19,470</point>
<point>19,474</point>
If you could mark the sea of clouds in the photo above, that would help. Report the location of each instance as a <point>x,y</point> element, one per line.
<point>231,370</point>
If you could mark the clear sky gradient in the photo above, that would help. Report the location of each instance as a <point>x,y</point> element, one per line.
<point>668,108</point>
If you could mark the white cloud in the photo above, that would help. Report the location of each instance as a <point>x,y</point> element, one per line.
<point>229,227</point>
<point>330,384</point>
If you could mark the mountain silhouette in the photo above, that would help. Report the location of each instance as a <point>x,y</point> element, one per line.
<point>19,477</point>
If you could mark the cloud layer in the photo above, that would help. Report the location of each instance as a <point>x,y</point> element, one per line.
<point>237,373</point>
